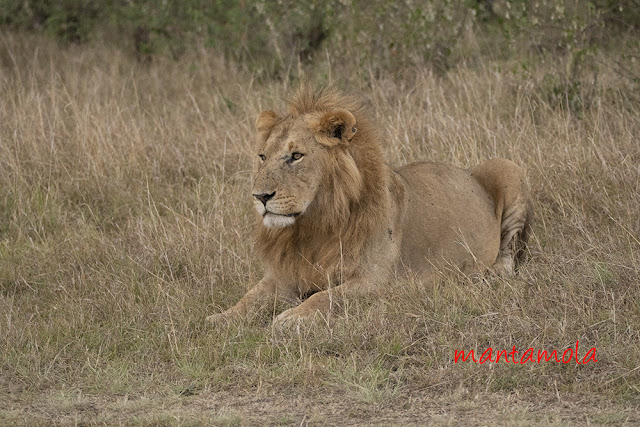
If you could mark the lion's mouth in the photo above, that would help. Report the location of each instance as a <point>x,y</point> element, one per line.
<point>274,220</point>
<point>291,215</point>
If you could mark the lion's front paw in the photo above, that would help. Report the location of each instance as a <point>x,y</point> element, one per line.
<point>219,320</point>
<point>287,319</point>
<point>292,318</point>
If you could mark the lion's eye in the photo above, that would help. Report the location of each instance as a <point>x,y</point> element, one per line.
<point>262,157</point>
<point>296,156</point>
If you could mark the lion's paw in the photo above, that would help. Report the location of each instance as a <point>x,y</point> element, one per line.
<point>219,320</point>
<point>292,318</point>
<point>287,319</point>
<point>503,268</point>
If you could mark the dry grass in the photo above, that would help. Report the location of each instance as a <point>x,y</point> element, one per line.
<point>124,221</point>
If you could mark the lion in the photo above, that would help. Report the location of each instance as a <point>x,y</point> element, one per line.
<point>334,221</point>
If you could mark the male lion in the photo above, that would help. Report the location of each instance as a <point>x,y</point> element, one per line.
<point>335,220</point>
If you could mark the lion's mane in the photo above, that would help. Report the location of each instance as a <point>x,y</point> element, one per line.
<point>352,201</point>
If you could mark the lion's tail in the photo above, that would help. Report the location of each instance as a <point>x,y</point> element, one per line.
<point>522,251</point>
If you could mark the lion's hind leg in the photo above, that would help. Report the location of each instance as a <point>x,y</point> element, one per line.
<point>505,182</point>
<point>515,228</point>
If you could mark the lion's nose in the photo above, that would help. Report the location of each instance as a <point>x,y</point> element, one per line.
<point>264,197</point>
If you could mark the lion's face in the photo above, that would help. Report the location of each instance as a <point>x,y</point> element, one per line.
<point>287,174</point>
<point>291,160</point>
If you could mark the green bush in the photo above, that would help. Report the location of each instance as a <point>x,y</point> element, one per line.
<point>271,37</point>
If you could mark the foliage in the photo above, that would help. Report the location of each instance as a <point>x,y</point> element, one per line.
<point>272,36</point>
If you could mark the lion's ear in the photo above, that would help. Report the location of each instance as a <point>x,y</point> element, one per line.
<point>265,123</point>
<point>334,127</point>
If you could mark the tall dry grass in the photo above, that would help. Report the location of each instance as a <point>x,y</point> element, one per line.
<point>125,219</point>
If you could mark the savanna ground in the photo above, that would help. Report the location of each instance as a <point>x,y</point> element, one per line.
<point>125,219</point>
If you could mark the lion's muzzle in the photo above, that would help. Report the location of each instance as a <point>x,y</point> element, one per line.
<point>275,212</point>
